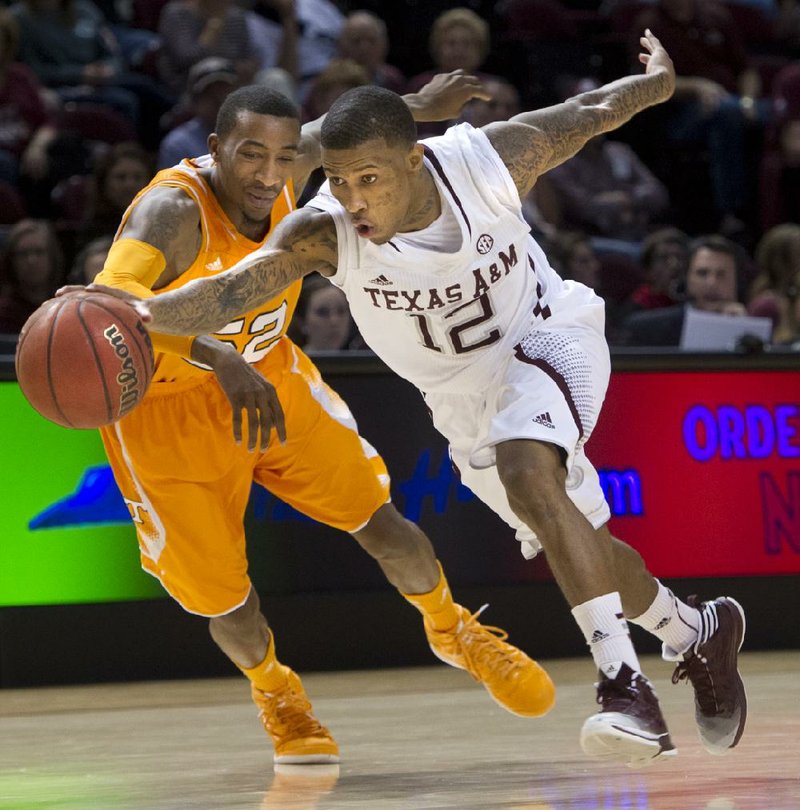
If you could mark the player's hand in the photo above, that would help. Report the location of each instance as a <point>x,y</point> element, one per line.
<point>656,59</point>
<point>139,304</point>
<point>443,97</point>
<point>247,390</point>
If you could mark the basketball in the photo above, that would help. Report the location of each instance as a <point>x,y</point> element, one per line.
<point>84,360</point>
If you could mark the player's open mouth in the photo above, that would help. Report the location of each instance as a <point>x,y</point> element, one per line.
<point>364,230</point>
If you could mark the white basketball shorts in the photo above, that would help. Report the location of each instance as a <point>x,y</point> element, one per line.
<point>550,389</point>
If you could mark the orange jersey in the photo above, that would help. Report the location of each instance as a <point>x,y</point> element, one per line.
<point>222,246</point>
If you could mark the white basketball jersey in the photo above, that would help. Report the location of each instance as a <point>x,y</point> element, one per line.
<point>446,321</point>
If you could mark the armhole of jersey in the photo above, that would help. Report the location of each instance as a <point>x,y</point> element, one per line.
<point>343,237</point>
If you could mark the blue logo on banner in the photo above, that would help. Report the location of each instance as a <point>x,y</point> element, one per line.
<point>98,501</point>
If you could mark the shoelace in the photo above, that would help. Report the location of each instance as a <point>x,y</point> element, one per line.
<point>479,644</point>
<point>694,669</point>
<point>287,714</point>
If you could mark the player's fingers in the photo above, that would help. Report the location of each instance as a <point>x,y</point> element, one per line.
<point>644,58</point>
<point>265,420</point>
<point>253,421</point>
<point>278,419</point>
<point>68,289</point>
<point>646,44</point>
<point>653,38</point>
<point>237,423</point>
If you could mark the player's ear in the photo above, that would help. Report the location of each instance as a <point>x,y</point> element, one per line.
<point>416,158</point>
<point>213,146</point>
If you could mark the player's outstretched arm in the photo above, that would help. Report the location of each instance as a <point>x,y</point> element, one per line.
<point>441,99</point>
<point>531,143</point>
<point>304,242</point>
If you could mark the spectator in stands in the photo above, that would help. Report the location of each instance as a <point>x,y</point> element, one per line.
<point>210,82</point>
<point>26,125</point>
<point>118,176</point>
<point>665,261</point>
<point>503,104</point>
<point>31,270</point>
<point>459,40</point>
<point>608,192</point>
<point>192,30</point>
<point>716,96</point>
<point>779,177</point>
<point>713,282</point>
<point>70,47</point>
<point>319,24</point>
<point>322,320</point>
<point>575,258</point>
<point>89,262</point>
<point>364,40</point>
<point>775,292</point>
<point>339,76</point>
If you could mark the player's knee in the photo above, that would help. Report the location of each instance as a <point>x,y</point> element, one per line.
<point>388,535</point>
<point>535,495</point>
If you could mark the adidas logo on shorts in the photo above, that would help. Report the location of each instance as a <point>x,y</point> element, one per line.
<point>382,281</point>
<point>544,419</point>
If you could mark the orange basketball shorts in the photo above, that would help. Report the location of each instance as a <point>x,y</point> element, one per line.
<point>187,483</point>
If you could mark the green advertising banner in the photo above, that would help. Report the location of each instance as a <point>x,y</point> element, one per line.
<point>49,552</point>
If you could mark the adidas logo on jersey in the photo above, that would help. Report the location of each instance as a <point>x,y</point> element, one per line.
<point>215,265</point>
<point>544,419</point>
<point>382,281</point>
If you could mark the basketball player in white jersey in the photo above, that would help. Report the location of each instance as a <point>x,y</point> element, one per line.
<point>448,287</point>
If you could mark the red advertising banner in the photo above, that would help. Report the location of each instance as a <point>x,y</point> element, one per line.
<point>702,470</point>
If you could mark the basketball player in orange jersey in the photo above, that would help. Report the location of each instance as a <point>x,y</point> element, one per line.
<point>187,482</point>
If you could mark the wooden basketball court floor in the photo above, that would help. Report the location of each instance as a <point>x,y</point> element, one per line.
<point>411,739</point>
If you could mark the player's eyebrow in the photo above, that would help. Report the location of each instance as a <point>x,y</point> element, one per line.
<point>252,142</point>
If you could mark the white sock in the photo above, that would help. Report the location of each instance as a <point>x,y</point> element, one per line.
<point>606,632</point>
<point>671,621</point>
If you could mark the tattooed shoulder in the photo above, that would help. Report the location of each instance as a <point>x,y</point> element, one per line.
<point>166,218</point>
<point>524,150</point>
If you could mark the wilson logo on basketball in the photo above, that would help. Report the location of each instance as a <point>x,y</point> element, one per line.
<point>127,378</point>
<point>484,243</point>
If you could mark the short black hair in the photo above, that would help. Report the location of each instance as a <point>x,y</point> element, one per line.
<point>256,98</point>
<point>364,113</point>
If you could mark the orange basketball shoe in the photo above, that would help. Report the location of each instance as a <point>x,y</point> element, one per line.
<point>513,679</point>
<point>297,735</point>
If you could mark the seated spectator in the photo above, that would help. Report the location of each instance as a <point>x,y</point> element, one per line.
<point>89,262</point>
<point>575,258</point>
<point>775,292</point>
<point>364,40</point>
<point>503,104</point>
<point>779,178</point>
<point>322,320</point>
<point>319,24</point>
<point>664,260</point>
<point>339,76</point>
<point>26,126</point>
<point>118,176</point>
<point>459,39</point>
<point>608,192</point>
<point>716,94</point>
<point>713,279</point>
<point>192,30</point>
<point>69,46</point>
<point>210,82</point>
<point>31,270</point>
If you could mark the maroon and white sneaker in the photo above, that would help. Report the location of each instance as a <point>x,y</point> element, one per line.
<point>711,666</point>
<point>629,727</point>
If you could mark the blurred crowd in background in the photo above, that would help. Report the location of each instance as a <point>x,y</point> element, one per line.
<point>693,206</point>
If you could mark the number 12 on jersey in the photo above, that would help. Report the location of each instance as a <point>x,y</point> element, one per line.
<point>467,317</point>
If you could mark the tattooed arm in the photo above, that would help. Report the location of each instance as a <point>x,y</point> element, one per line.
<point>304,241</point>
<point>534,142</point>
